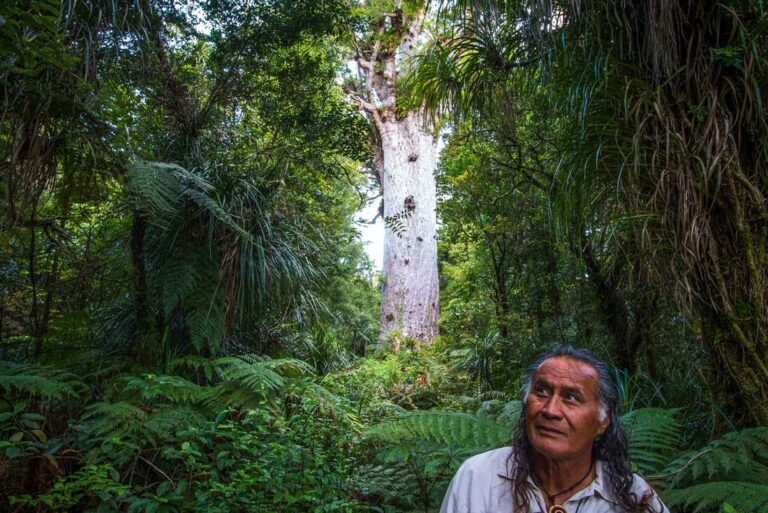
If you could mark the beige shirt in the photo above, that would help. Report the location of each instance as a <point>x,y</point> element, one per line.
<point>481,485</point>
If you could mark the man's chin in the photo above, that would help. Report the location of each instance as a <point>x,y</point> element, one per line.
<point>552,449</point>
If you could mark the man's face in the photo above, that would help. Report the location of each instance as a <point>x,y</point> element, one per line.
<point>562,413</point>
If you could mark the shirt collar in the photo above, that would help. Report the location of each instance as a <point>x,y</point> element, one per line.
<point>598,486</point>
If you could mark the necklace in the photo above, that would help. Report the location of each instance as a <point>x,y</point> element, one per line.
<point>559,508</point>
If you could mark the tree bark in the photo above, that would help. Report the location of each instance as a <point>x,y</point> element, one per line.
<point>410,292</point>
<point>406,157</point>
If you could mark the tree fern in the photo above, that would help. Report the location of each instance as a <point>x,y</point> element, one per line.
<point>218,256</point>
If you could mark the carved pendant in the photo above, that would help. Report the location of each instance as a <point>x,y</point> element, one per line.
<point>557,508</point>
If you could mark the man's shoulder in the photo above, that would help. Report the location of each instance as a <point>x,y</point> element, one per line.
<point>479,485</point>
<point>493,461</point>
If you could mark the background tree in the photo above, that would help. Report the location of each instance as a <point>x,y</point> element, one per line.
<point>404,161</point>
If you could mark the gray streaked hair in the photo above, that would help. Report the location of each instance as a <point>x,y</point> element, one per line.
<point>608,395</point>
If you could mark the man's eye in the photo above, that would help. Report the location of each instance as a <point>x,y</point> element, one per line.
<point>541,391</point>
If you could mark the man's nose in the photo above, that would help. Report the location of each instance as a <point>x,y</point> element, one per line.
<point>552,408</point>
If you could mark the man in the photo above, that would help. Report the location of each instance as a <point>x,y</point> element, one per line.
<point>569,454</point>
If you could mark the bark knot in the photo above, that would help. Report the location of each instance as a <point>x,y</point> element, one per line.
<point>413,157</point>
<point>409,204</point>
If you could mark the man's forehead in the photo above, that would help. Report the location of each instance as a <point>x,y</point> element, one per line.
<point>566,370</point>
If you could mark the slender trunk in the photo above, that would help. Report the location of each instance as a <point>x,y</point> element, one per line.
<point>614,313</point>
<point>33,314</point>
<point>502,308</point>
<point>500,289</point>
<point>553,291</point>
<point>50,282</point>
<point>140,298</point>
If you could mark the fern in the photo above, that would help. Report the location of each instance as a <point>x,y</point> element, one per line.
<point>744,497</point>
<point>510,413</point>
<point>451,429</point>
<point>103,418</point>
<point>733,469</point>
<point>253,376</point>
<point>654,435</point>
<point>393,482</point>
<point>38,381</point>
<point>167,420</point>
<point>174,389</point>
<point>738,456</point>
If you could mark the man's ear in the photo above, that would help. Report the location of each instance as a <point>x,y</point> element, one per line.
<point>603,425</point>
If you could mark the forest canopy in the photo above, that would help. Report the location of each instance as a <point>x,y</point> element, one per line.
<point>190,320</point>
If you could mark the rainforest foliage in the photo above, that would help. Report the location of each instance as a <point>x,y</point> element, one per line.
<point>189,320</point>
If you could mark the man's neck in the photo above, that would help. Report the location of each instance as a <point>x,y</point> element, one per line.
<point>562,478</point>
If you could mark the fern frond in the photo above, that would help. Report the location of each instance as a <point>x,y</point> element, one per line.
<point>181,276</point>
<point>738,456</point>
<point>289,366</point>
<point>162,422</point>
<point>196,364</point>
<point>654,436</point>
<point>744,497</point>
<point>510,414</point>
<point>38,381</point>
<point>256,376</point>
<point>154,189</point>
<point>393,482</point>
<point>218,398</point>
<point>452,429</point>
<point>104,418</point>
<point>206,320</point>
<point>171,388</point>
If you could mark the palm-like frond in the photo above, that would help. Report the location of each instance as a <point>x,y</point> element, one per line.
<point>220,255</point>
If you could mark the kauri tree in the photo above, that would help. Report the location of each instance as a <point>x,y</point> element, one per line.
<point>404,162</point>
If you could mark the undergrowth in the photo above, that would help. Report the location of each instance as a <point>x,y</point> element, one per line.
<point>248,433</point>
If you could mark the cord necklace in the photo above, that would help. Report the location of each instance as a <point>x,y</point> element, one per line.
<point>558,508</point>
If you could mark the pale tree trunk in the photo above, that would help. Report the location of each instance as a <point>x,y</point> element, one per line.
<point>406,160</point>
<point>409,305</point>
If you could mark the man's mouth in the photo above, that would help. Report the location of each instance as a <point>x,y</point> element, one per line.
<point>546,430</point>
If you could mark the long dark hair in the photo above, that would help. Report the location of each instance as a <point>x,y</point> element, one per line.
<point>611,447</point>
